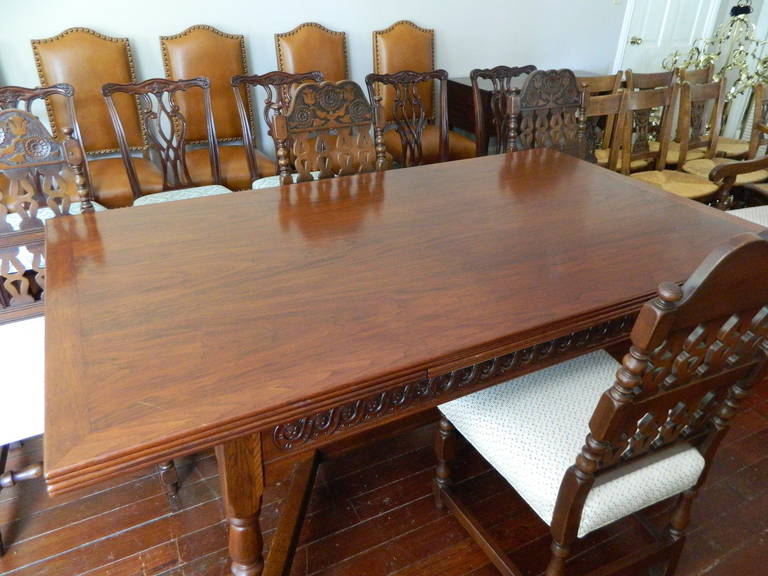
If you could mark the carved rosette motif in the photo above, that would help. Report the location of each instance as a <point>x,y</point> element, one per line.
<point>307,429</point>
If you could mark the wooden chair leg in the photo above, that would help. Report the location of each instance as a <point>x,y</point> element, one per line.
<point>3,460</point>
<point>11,478</point>
<point>169,477</point>
<point>681,517</point>
<point>560,553</point>
<point>445,450</point>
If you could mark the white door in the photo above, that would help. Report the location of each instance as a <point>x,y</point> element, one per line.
<point>659,27</point>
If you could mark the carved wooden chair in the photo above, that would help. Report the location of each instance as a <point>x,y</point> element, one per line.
<point>208,52</point>
<point>696,352</point>
<point>167,134</point>
<point>637,145</point>
<point>311,46</point>
<point>412,141</point>
<point>605,107</point>
<point>278,88</point>
<point>326,132</point>
<point>42,178</point>
<point>726,147</point>
<point>547,113</point>
<point>86,60</point>
<point>502,82</point>
<point>648,81</point>
<point>602,86</point>
<point>404,46</point>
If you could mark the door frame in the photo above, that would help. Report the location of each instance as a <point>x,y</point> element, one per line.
<point>709,28</point>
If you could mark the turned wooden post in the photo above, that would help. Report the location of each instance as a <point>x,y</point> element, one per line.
<point>445,450</point>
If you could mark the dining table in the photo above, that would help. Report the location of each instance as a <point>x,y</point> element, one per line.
<point>271,323</point>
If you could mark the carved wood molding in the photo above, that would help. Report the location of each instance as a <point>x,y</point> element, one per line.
<point>45,82</point>
<point>319,425</point>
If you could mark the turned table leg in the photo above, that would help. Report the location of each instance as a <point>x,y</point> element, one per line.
<point>242,485</point>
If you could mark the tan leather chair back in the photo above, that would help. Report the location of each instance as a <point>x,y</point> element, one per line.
<point>312,47</point>
<point>206,51</point>
<point>404,46</point>
<point>86,60</point>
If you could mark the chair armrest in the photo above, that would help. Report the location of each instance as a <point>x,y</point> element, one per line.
<point>731,170</point>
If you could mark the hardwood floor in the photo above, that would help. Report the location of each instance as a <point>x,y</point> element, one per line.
<point>368,516</point>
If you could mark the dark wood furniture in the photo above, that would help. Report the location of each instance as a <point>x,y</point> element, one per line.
<point>404,46</point>
<point>327,130</point>
<point>696,353</point>
<point>648,81</point>
<point>409,113</point>
<point>601,114</point>
<point>603,86</point>
<point>491,89</point>
<point>548,112</point>
<point>86,60</point>
<point>278,87</point>
<point>167,129</point>
<point>453,277</point>
<point>210,53</point>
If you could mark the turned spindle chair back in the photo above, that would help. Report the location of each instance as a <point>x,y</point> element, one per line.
<point>601,86</point>
<point>278,88</point>
<point>695,353</point>
<point>502,80</point>
<point>638,135</point>
<point>548,112</point>
<point>166,128</point>
<point>327,130</point>
<point>410,111</point>
<point>701,112</point>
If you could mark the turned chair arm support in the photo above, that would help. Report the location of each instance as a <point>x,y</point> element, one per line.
<point>10,478</point>
<point>732,169</point>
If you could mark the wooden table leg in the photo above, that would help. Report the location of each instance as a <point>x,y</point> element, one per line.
<point>241,475</point>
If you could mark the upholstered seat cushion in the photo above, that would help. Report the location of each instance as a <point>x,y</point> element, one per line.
<point>680,183</point>
<point>603,156</point>
<point>233,166</point>
<point>703,167</point>
<point>532,428</point>
<point>44,213</point>
<point>756,214</point>
<point>109,180</point>
<point>459,147</point>
<point>182,194</point>
<point>732,148</point>
<point>273,181</point>
<point>22,386</point>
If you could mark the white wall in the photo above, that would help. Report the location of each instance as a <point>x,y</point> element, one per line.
<point>578,34</point>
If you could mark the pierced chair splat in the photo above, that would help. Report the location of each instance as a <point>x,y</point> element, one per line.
<point>695,354</point>
<point>502,80</point>
<point>327,131</point>
<point>166,129</point>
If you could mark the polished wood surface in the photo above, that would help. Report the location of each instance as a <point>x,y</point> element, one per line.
<point>198,331</point>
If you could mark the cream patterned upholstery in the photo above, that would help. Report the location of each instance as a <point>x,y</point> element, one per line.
<point>532,428</point>
<point>680,183</point>
<point>704,166</point>
<point>182,194</point>
<point>23,405</point>
<point>44,213</point>
<point>274,181</point>
<point>756,214</point>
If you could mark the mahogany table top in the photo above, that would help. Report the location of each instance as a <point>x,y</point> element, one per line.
<point>174,327</point>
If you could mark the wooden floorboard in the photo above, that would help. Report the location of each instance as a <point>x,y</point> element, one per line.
<point>368,515</point>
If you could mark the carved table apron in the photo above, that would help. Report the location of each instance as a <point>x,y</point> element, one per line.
<point>269,323</point>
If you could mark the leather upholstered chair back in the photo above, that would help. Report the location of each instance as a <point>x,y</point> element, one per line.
<point>404,46</point>
<point>206,51</point>
<point>312,47</point>
<point>86,60</point>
